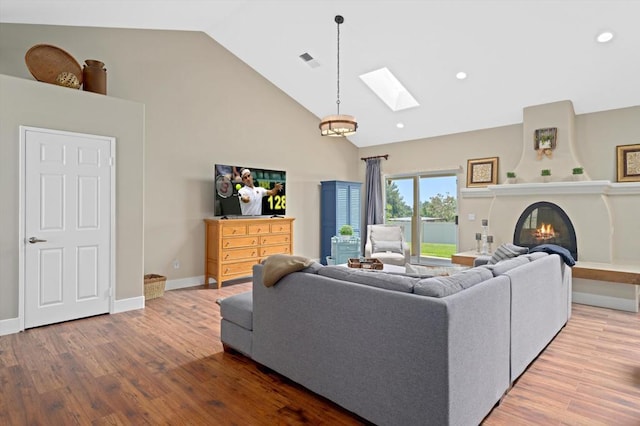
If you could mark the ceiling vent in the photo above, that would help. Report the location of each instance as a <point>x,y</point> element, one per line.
<point>308,59</point>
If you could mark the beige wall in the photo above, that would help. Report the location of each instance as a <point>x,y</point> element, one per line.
<point>597,135</point>
<point>202,106</point>
<point>31,103</point>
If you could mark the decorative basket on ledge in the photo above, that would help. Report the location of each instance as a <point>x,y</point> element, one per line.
<point>154,286</point>
<point>365,264</point>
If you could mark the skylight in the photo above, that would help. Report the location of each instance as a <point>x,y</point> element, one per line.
<point>384,84</point>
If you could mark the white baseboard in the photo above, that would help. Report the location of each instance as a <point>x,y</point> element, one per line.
<point>184,283</point>
<point>130,304</point>
<point>10,326</point>
<point>610,302</point>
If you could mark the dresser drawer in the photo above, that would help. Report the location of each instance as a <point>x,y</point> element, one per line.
<point>238,268</point>
<point>281,227</point>
<point>239,242</point>
<point>234,230</point>
<point>237,254</point>
<point>268,251</point>
<point>275,239</point>
<point>259,228</point>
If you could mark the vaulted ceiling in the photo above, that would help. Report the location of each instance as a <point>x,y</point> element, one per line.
<point>515,53</point>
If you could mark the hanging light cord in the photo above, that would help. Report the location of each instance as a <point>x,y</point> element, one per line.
<point>339,19</point>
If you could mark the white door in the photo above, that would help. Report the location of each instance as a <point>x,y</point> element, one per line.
<point>67,225</point>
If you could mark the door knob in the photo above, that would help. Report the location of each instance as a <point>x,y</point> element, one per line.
<point>34,240</point>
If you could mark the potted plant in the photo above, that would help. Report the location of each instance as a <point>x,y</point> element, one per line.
<point>546,175</point>
<point>577,173</point>
<point>346,231</point>
<point>511,177</point>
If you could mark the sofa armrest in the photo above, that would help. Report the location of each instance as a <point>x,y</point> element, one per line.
<point>539,300</point>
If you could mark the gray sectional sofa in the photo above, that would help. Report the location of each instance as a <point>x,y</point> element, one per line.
<point>404,350</point>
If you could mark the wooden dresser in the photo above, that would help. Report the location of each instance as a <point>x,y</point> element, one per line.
<point>233,246</point>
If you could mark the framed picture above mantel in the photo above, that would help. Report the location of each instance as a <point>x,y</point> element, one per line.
<point>482,172</point>
<point>628,163</point>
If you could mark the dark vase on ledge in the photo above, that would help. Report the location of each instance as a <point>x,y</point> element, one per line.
<point>94,76</point>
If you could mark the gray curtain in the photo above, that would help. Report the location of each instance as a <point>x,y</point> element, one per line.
<point>374,209</point>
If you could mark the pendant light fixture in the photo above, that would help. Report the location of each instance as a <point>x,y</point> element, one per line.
<point>339,124</point>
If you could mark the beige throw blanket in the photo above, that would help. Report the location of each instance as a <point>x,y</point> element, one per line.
<point>279,265</point>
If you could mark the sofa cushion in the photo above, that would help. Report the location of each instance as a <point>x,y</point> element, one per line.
<point>373,278</point>
<point>278,265</point>
<point>507,264</point>
<point>446,286</point>
<point>507,251</point>
<point>238,309</point>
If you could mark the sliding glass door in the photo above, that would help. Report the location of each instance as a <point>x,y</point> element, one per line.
<point>426,206</point>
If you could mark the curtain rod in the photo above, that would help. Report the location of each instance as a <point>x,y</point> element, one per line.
<point>385,156</point>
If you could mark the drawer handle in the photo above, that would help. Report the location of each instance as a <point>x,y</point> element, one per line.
<point>226,256</point>
<point>226,271</point>
<point>226,244</point>
<point>264,241</point>
<point>253,253</point>
<point>253,242</point>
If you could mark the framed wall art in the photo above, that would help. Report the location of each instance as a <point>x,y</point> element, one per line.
<point>544,141</point>
<point>482,172</point>
<point>628,163</point>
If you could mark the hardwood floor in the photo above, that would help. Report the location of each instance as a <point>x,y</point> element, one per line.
<point>164,365</point>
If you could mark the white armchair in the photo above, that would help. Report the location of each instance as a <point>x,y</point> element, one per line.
<point>386,243</point>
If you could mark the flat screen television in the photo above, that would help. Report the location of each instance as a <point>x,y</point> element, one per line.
<point>249,191</point>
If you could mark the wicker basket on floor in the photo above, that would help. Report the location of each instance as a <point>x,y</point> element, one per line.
<point>154,286</point>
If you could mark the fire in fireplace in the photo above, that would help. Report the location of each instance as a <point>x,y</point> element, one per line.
<point>545,232</point>
<point>545,223</point>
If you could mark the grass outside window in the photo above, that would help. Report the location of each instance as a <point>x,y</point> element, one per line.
<point>437,250</point>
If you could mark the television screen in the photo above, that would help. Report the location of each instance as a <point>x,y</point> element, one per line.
<point>249,191</point>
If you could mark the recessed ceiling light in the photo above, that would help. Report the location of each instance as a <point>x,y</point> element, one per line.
<point>461,75</point>
<point>384,84</point>
<point>400,125</point>
<point>605,37</point>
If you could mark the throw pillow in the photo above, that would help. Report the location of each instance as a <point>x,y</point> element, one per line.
<point>506,251</point>
<point>508,264</point>
<point>278,265</point>
<point>446,286</point>
<point>386,246</point>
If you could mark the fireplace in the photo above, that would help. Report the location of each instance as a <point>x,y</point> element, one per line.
<point>545,223</point>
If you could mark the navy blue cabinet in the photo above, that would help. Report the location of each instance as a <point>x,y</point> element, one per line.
<point>339,205</point>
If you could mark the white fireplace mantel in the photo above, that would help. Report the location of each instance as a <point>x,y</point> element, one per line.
<point>596,187</point>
